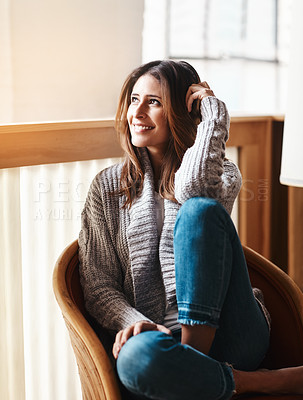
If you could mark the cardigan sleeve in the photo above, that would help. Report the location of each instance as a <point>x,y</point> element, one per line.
<point>204,171</point>
<point>101,274</point>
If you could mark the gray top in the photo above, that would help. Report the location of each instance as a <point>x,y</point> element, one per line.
<point>127,272</point>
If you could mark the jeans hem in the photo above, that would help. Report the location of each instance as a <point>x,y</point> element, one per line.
<point>192,322</point>
<point>189,314</point>
<point>229,387</point>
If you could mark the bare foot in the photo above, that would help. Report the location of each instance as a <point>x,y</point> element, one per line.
<point>280,381</point>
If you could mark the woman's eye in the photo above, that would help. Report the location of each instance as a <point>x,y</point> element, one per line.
<point>134,99</point>
<point>154,101</point>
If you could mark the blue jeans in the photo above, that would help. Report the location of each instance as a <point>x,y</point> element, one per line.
<point>213,288</point>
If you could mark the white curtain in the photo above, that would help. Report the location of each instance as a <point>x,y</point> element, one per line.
<point>11,318</point>
<point>40,215</point>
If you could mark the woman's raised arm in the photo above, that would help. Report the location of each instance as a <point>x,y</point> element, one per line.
<point>204,171</point>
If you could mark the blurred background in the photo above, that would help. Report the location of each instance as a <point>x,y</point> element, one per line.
<point>65,60</point>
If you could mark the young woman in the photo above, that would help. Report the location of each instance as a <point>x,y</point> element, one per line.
<point>162,266</point>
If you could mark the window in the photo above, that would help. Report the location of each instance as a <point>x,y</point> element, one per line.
<point>215,29</point>
<point>239,46</point>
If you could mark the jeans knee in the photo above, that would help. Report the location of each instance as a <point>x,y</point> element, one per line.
<point>139,358</point>
<point>197,208</point>
<point>128,358</point>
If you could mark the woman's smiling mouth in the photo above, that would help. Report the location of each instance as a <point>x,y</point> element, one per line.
<point>139,128</point>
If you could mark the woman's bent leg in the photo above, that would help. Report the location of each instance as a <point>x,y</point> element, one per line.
<point>157,366</point>
<point>213,286</point>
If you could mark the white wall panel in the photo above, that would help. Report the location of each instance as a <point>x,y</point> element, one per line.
<point>52,198</point>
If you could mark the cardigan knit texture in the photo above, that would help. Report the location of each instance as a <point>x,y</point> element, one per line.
<point>127,272</point>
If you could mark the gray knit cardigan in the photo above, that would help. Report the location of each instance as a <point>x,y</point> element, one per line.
<point>127,272</point>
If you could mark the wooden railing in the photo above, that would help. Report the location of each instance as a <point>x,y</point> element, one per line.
<point>263,202</point>
<point>54,142</point>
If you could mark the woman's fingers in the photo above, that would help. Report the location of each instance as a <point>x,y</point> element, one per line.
<point>117,345</point>
<point>195,88</point>
<point>133,330</point>
<point>121,338</point>
<point>197,91</point>
<point>163,329</point>
<point>127,333</point>
<point>143,326</point>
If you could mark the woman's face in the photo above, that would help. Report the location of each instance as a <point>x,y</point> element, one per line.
<point>147,122</point>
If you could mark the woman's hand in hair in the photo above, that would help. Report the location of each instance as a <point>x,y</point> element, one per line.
<point>197,91</point>
<point>133,330</point>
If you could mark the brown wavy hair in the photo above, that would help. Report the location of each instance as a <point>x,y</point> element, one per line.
<point>175,79</point>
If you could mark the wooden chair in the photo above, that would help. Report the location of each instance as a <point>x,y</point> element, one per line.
<point>98,380</point>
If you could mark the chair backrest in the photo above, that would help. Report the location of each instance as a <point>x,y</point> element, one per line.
<point>98,380</point>
<point>283,299</point>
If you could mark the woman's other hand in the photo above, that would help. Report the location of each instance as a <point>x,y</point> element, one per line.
<point>197,91</point>
<point>133,330</point>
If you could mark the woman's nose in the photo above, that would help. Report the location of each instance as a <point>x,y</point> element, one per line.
<point>140,111</point>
